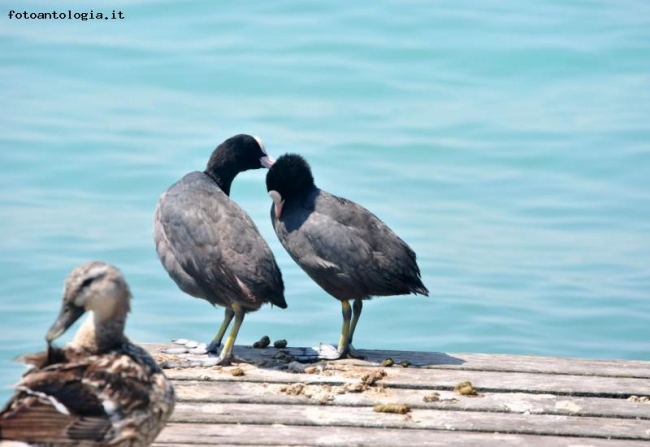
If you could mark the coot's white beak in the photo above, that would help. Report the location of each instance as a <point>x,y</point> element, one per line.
<point>267,162</point>
<point>278,202</point>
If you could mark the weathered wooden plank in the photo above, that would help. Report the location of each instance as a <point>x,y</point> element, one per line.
<point>430,379</point>
<point>204,435</point>
<point>265,393</point>
<point>472,362</point>
<point>302,415</point>
<point>532,401</point>
<point>546,365</point>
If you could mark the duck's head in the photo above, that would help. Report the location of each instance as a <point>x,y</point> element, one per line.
<point>288,178</point>
<point>241,152</point>
<point>95,287</point>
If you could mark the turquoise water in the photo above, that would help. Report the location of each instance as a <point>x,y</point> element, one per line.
<point>509,146</point>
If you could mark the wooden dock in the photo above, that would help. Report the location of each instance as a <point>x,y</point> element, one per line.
<point>270,400</point>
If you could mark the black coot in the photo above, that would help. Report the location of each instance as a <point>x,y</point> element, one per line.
<point>209,245</point>
<point>341,245</point>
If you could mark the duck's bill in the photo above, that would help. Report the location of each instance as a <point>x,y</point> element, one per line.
<point>267,162</point>
<point>69,314</point>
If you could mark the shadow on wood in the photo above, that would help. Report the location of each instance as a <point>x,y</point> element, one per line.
<point>270,357</point>
<point>271,399</point>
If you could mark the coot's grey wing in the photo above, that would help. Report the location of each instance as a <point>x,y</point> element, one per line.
<point>393,268</point>
<point>387,248</point>
<point>348,250</point>
<point>249,257</point>
<point>186,235</point>
<point>211,247</point>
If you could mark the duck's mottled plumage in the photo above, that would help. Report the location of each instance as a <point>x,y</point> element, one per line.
<point>100,389</point>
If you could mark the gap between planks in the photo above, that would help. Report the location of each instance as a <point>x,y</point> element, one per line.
<point>530,397</point>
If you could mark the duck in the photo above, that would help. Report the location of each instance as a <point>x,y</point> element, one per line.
<point>210,246</point>
<point>99,389</point>
<point>347,250</point>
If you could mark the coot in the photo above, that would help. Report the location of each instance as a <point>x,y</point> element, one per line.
<point>341,245</point>
<point>209,245</point>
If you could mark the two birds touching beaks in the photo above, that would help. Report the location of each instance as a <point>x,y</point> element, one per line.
<point>212,249</point>
<point>101,389</point>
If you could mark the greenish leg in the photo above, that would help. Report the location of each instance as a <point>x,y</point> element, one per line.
<point>357,307</point>
<point>226,352</point>
<point>214,345</point>
<point>344,342</point>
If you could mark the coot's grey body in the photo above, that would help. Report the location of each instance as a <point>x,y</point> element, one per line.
<point>209,245</point>
<point>342,246</point>
<point>345,248</point>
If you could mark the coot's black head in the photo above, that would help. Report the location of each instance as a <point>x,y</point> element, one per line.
<point>289,178</point>
<point>239,153</point>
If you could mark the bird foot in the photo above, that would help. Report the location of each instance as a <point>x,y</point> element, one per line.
<point>353,354</point>
<point>201,362</point>
<point>192,354</point>
<point>216,360</point>
<point>213,349</point>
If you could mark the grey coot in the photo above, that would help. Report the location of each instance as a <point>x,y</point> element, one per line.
<point>341,245</point>
<point>100,389</point>
<point>209,245</point>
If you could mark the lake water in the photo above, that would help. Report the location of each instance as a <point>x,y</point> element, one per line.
<point>508,145</point>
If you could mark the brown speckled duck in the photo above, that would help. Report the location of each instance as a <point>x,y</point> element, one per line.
<point>100,389</point>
